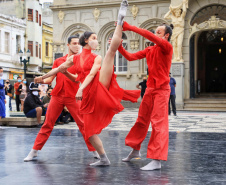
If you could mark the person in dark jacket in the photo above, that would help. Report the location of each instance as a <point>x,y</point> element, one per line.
<point>142,86</point>
<point>33,107</point>
<point>8,91</point>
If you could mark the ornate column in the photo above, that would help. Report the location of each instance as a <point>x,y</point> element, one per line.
<point>177,12</point>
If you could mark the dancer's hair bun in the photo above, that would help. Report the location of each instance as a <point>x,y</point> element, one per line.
<point>171,26</point>
<point>84,37</point>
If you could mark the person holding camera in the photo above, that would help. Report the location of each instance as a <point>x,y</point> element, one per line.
<point>8,91</point>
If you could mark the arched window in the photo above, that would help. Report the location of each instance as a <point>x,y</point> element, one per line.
<point>147,43</point>
<point>120,63</point>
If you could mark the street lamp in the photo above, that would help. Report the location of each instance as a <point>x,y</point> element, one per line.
<point>28,54</point>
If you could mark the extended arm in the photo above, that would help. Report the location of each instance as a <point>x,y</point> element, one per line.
<point>49,80</point>
<point>62,68</point>
<point>147,34</point>
<point>168,16</point>
<point>184,8</point>
<point>71,76</point>
<point>132,56</point>
<point>89,77</point>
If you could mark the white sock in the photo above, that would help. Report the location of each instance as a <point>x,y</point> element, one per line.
<point>96,155</point>
<point>122,12</point>
<point>153,165</point>
<point>33,153</point>
<point>133,154</point>
<point>104,161</point>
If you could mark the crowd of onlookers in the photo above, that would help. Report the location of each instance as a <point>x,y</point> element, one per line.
<point>33,100</point>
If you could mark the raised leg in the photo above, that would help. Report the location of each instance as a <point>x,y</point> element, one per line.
<point>108,62</point>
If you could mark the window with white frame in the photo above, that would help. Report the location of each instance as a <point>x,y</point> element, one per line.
<point>147,43</point>
<point>120,62</point>
<point>6,42</point>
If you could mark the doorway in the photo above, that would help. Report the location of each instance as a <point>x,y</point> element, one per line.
<point>211,62</point>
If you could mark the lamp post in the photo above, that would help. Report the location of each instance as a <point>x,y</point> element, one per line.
<point>28,54</point>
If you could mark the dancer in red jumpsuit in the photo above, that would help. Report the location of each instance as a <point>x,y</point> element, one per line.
<point>62,95</point>
<point>154,105</point>
<point>99,93</point>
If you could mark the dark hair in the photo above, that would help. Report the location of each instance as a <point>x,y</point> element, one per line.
<point>85,36</point>
<point>49,89</point>
<point>18,77</point>
<point>72,37</point>
<point>168,29</point>
<point>1,68</point>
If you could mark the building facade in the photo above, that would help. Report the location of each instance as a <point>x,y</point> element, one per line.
<point>33,40</point>
<point>12,32</point>
<point>202,67</point>
<point>31,12</point>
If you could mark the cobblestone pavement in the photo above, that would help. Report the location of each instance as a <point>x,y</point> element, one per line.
<point>185,121</point>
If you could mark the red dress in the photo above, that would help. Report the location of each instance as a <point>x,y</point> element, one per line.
<point>99,104</point>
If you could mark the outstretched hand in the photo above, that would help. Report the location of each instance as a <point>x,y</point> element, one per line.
<point>126,26</point>
<point>38,80</point>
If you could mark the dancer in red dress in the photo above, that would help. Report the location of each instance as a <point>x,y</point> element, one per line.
<point>62,95</point>
<point>99,92</point>
<point>154,105</point>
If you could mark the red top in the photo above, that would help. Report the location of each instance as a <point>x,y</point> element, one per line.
<point>64,86</point>
<point>16,86</point>
<point>99,104</point>
<point>158,57</point>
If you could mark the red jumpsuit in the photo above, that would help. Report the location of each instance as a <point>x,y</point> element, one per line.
<point>154,105</point>
<point>99,104</point>
<point>62,95</point>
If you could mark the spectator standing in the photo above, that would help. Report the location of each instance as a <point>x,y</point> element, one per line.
<point>8,91</point>
<point>142,86</point>
<point>172,95</point>
<point>17,92</point>
<point>2,95</point>
<point>23,93</point>
<point>33,107</point>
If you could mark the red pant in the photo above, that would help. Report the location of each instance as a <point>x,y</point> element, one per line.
<point>54,109</point>
<point>154,109</point>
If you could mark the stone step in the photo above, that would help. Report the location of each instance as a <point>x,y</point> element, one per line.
<point>205,109</point>
<point>204,101</point>
<point>208,105</point>
<point>205,104</point>
<point>20,121</point>
<point>17,114</point>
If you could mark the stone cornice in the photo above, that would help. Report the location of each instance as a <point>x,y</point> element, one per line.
<point>47,31</point>
<point>13,20</point>
<point>105,4</point>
